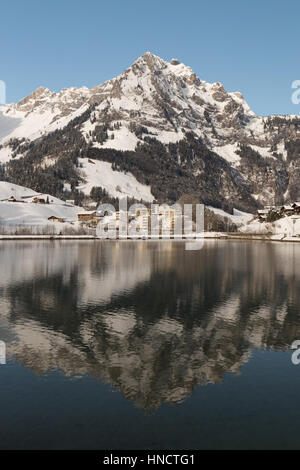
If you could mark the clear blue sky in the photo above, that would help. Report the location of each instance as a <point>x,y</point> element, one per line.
<point>252,47</point>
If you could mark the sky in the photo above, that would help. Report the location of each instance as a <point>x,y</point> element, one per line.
<point>251,47</point>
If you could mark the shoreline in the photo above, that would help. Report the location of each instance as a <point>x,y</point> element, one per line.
<point>207,236</point>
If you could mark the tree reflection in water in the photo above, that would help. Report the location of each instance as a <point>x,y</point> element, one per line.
<point>149,317</point>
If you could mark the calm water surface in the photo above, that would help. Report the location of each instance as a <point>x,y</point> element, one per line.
<point>122,345</point>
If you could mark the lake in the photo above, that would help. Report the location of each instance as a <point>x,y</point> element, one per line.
<point>143,345</point>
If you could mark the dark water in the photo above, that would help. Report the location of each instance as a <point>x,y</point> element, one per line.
<point>116,345</point>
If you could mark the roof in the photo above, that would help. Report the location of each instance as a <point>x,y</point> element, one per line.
<point>263,211</point>
<point>87,213</point>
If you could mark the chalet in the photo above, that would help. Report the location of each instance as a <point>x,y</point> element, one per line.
<point>53,218</point>
<point>282,211</point>
<point>11,199</point>
<point>38,200</point>
<point>89,204</point>
<point>271,208</point>
<point>287,210</point>
<point>86,216</point>
<point>263,214</point>
<point>296,207</point>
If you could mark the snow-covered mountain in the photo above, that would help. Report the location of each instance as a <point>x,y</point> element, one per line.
<point>179,133</point>
<point>167,97</point>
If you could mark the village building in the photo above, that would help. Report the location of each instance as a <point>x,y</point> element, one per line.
<point>93,222</point>
<point>54,218</point>
<point>38,200</point>
<point>263,214</point>
<point>287,209</point>
<point>86,216</point>
<point>90,204</point>
<point>11,199</point>
<point>143,222</point>
<point>296,207</point>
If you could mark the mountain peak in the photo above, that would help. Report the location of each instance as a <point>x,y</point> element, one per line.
<point>148,55</point>
<point>154,93</point>
<point>40,93</point>
<point>151,61</point>
<point>156,65</point>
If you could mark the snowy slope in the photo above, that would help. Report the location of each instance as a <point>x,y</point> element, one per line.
<point>41,112</point>
<point>29,213</point>
<point>12,213</point>
<point>287,226</point>
<point>116,183</point>
<point>228,152</point>
<point>20,192</point>
<point>238,217</point>
<point>9,189</point>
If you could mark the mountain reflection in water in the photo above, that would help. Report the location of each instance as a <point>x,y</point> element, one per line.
<point>149,317</point>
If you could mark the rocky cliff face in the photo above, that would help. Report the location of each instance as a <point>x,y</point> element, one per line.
<point>171,129</point>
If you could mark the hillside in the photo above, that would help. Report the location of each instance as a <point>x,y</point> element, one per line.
<point>27,213</point>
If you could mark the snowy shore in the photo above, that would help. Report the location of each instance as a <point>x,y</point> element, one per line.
<point>206,236</point>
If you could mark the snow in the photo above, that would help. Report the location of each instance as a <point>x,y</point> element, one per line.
<point>21,192</point>
<point>228,152</point>
<point>256,125</point>
<point>10,189</point>
<point>26,213</point>
<point>5,154</point>
<point>265,152</point>
<point>29,213</point>
<point>16,123</point>
<point>166,137</point>
<point>238,97</point>
<point>8,124</point>
<point>116,183</point>
<point>285,227</point>
<point>238,217</point>
<point>133,93</point>
<point>31,125</point>
<point>281,149</point>
<point>123,140</point>
<point>67,187</point>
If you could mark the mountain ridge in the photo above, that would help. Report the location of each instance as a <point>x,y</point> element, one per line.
<point>236,157</point>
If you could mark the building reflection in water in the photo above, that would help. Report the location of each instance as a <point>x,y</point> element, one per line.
<point>149,317</point>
